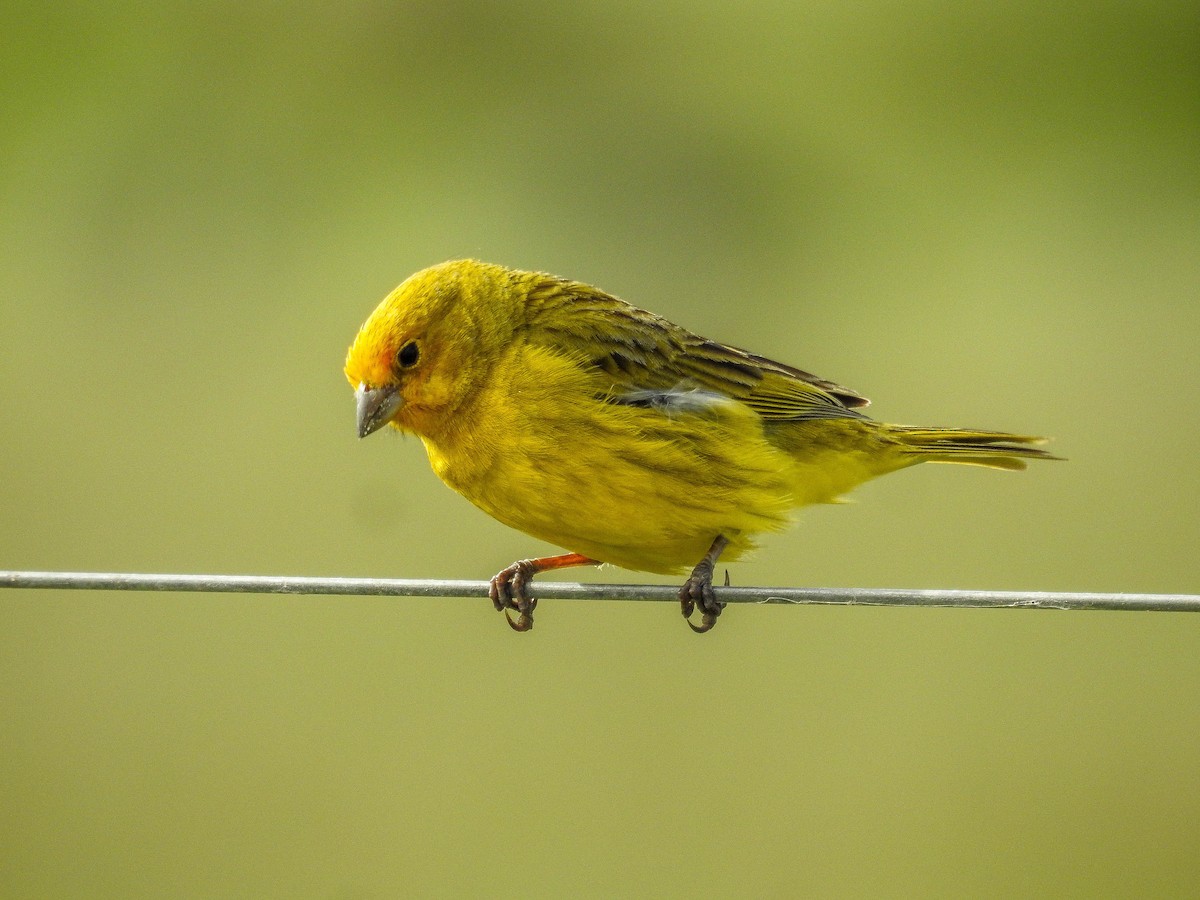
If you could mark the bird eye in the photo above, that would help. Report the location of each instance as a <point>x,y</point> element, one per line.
<point>408,355</point>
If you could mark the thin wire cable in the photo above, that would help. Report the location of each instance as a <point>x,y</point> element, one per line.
<point>557,590</point>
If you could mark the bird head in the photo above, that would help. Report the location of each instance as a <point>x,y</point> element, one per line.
<point>429,345</point>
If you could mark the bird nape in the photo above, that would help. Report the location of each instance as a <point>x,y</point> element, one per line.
<point>586,422</point>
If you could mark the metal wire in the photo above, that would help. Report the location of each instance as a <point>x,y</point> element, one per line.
<point>556,590</point>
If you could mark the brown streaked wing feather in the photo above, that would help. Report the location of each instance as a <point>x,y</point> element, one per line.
<point>845,395</point>
<point>771,389</point>
<point>639,350</point>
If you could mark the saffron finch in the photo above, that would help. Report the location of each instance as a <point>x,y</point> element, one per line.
<point>577,418</point>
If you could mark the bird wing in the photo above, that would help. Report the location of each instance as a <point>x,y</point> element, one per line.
<point>640,352</point>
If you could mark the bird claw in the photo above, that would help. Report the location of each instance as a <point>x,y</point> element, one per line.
<point>523,622</point>
<point>698,591</point>
<point>509,589</point>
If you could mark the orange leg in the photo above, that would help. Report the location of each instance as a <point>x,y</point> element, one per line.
<point>510,587</point>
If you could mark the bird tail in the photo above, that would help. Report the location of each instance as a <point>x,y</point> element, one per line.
<point>993,449</point>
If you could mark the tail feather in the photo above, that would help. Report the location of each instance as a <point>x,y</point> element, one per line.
<point>993,449</point>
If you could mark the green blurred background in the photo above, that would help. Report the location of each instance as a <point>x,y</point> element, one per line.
<point>976,214</point>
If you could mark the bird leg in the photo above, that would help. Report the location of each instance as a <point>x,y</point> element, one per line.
<point>698,589</point>
<point>510,587</point>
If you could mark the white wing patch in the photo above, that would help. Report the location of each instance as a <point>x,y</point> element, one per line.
<point>676,400</point>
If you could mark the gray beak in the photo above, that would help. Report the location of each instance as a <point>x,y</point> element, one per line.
<point>376,406</point>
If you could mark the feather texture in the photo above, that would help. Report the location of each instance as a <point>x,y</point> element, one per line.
<point>582,420</point>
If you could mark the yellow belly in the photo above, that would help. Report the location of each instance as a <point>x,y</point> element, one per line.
<point>638,487</point>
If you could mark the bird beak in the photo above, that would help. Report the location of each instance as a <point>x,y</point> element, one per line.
<point>376,406</point>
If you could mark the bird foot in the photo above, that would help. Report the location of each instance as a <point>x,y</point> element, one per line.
<point>509,589</point>
<point>698,591</point>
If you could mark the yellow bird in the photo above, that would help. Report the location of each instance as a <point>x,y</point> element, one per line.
<point>577,418</point>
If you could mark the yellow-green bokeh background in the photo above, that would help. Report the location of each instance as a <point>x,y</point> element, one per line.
<point>976,214</point>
